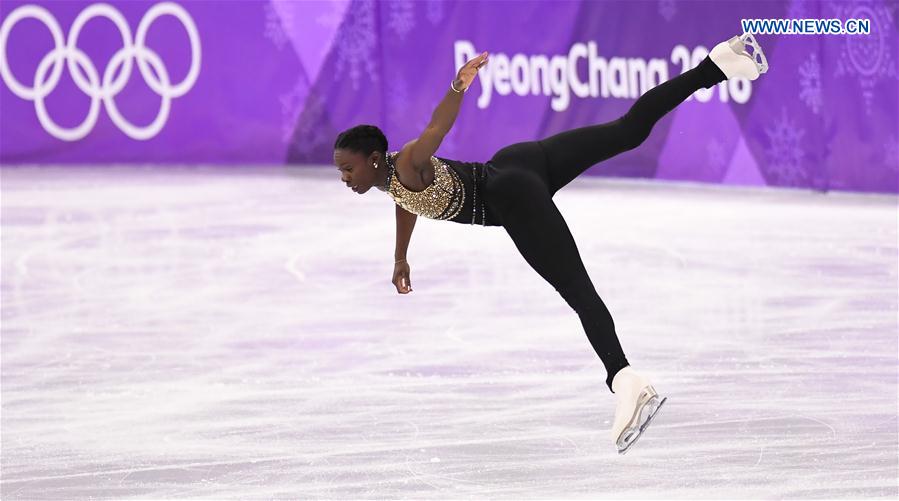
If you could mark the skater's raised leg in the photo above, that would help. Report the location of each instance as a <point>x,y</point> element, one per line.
<point>572,152</point>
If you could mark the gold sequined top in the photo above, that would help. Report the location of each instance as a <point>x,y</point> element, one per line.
<point>442,199</point>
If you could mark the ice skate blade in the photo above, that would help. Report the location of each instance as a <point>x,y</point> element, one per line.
<point>734,60</point>
<point>643,416</point>
<point>758,57</point>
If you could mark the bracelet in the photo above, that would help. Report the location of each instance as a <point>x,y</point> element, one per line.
<point>395,262</point>
<point>454,87</point>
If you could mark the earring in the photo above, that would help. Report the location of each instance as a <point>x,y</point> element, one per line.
<point>376,165</point>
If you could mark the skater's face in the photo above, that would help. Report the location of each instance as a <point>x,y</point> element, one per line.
<point>357,171</point>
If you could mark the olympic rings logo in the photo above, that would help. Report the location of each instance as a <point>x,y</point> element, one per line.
<point>84,72</point>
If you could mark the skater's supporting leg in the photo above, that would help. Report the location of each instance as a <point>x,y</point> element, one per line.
<point>540,233</point>
<point>571,152</point>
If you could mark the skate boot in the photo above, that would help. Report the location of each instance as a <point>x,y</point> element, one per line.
<point>733,60</point>
<point>638,404</point>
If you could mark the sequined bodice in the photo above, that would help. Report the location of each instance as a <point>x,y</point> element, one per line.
<point>442,199</point>
<point>456,194</point>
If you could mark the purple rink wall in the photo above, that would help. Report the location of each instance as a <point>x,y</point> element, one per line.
<point>273,82</point>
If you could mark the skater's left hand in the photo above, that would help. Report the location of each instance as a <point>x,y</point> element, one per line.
<point>470,70</point>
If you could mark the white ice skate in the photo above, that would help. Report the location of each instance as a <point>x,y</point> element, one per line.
<point>733,60</point>
<point>638,404</point>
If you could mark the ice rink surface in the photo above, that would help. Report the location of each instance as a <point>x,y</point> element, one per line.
<point>233,333</point>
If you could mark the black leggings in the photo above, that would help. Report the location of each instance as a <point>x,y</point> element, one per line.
<point>528,174</point>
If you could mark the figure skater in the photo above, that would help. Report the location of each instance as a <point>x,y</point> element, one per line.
<point>514,189</point>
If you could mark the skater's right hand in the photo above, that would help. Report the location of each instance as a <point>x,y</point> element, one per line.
<point>401,277</point>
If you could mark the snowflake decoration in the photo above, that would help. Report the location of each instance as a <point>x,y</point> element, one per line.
<point>799,10</point>
<point>434,12</point>
<point>891,153</point>
<point>398,99</point>
<point>810,83</point>
<point>667,9</point>
<point>274,26</point>
<point>400,17</point>
<point>291,105</point>
<point>331,19</point>
<point>310,132</point>
<point>785,153</point>
<point>356,43</point>
<point>714,155</point>
<point>869,57</point>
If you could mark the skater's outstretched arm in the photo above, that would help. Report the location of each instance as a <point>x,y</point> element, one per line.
<point>444,116</point>
<point>405,223</point>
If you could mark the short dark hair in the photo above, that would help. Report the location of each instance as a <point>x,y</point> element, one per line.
<point>362,139</point>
